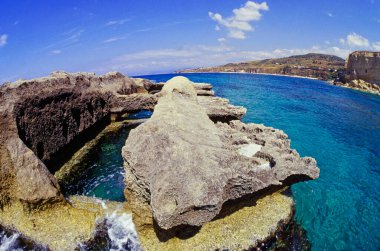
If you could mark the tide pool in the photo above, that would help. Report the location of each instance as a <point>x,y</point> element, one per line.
<point>340,128</point>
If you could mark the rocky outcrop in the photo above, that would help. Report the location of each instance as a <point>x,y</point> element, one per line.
<point>187,167</point>
<point>360,85</point>
<point>44,119</point>
<point>363,65</point>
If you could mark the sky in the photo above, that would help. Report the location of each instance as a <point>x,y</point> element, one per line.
<point>135,37</point>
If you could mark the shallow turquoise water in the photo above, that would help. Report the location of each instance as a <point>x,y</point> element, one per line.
<point>341,129</point>
<point>104,173</point>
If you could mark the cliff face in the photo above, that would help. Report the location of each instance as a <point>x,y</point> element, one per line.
<point>41,120</point>
<point>363,65</point>
<point>187,185</point>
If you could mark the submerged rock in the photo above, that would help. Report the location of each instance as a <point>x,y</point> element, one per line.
<point>186,167</point>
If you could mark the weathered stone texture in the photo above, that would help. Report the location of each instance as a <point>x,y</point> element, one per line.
<point>40,118</point>
<point>363,65</point>
<point>186,166</point>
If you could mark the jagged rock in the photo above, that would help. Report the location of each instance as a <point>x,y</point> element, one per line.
<point>186,167</point>
<point>363,65</point>
<point>42,119</point>
<point>219,109</point>
<point>360,85</point>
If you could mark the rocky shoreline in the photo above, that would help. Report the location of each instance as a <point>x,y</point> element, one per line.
<point>45,121</point>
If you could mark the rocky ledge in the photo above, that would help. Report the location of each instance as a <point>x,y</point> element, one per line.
<point>360,85</point>
<point>186,167</point>
<point>43,123</point>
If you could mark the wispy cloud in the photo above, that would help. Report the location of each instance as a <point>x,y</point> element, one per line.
<point>125,35</point>
<point>56,52</point>
<point>166,60</point>
<point>329,14</point>
<point>3,40</point>
<point>113,39</point>
<point>67,38</point>
<point>240,23</point>
<point>117,22</point>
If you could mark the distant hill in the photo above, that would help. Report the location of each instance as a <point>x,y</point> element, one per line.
<point>321,66</point>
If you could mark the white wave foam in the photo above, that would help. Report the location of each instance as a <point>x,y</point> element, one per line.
<point>122,232</point>
<point>8,243</point>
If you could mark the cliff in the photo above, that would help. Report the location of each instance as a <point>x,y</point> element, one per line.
<point>363,65</point>
<point>362,72</point>
<point>187,185</point>
<point>321,66</point>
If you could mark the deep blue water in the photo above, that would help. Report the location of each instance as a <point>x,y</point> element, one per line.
<point>341,129</point>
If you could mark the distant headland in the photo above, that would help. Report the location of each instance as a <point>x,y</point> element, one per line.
<point>360,71</point>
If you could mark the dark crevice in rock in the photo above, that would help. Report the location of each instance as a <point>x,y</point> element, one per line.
<point>249,200</point>
<point>54,125</point>
<point>65,153</point>
<point>182,232</point>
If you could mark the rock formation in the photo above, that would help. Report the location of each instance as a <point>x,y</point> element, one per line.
<point>187,167</point>
<point>363,65</point>
<point>187,161</point>
<point>43,119</point>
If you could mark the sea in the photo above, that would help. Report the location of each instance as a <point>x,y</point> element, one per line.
<point>338,127</point>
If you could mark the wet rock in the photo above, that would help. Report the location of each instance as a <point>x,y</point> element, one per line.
<point>186,167</point>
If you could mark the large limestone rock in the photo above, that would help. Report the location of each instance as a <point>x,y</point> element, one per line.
<point>186,167</point>
<point>363,65</point>
<point>41,120</point>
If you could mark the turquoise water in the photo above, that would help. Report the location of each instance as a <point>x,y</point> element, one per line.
<point>341,129</point>
<point>104,172</point>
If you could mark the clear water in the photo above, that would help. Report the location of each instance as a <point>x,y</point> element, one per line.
<point>104,175</point>
<point>341,129</point>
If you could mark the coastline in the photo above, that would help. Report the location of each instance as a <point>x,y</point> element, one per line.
<point>251,73</point>
<point>329,82</point>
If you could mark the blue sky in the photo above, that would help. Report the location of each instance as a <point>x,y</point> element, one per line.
<point>151,36</point>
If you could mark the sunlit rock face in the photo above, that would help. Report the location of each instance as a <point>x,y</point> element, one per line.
<point>364,65</point>
<point>186,166</point>
<point>44,119</point>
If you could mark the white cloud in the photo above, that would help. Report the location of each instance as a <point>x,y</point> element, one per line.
<point>240,23</point>
<point>168,60</point>
<point>329,14</point>
<point>113,39</point>
<point>221,40</point>
<point>355,40</point>
<point>117,22</point>
<point>3,40</point>
<point>56,52</point>
<point>376,46</point>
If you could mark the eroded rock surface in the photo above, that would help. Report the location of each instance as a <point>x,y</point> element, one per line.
<point>364,65</point>
<point>186,166</point>
<point>43,119</point>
